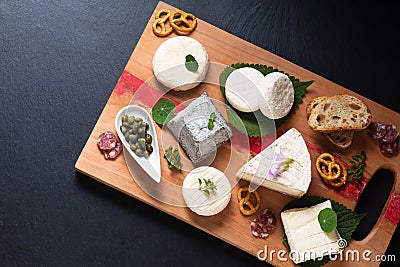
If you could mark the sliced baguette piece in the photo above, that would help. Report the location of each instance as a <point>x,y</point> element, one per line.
<point>341,139</point>
<point>313,103</point>
<point>340,112</point>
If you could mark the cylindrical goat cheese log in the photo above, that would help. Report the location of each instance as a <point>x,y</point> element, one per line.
<point>277,95</point>
<point>242,89</point>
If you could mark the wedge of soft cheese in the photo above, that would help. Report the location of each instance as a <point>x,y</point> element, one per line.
<point>199,201</point>
<point>190,128</point>
<point>293,180</point>
<point>306,239</point>
<point>169,63</point>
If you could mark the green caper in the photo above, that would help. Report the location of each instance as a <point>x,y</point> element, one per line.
<point>131,119</point>
<point>123,129</point>
<point>133,146</point>
<point>142,143</point>
<point>135,129</point>
<point>138,119</point>
<point>144,124</point>
<point>149,148</point>
<point>141,130</point>
<point>139,152</point>
<point>133,138</point>
<point>146,154</point>
<point>126,136</point>
<point>130,131</point>
<point>124,117</point>
<point>148,138</point>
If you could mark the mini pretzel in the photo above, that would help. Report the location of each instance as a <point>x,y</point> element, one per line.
<point>245,201</point>
<point>341,180</point>
<point>159,27</point>
<point>326,158</point>
<point>162,12</point>
<point>179,21</point>
<point>333,173</point>
<point>327,167</point>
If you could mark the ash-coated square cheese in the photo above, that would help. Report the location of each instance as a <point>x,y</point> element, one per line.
<point>190,128</point>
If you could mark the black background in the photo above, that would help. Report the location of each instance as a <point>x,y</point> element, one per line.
<point>60,61</point>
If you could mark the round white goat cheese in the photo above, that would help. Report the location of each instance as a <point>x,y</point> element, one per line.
<point>199,201</point>
<point>242,89</point>
<point>277,95</point>
<point>169,63</point>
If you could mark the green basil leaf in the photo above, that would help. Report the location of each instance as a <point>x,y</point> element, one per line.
<point>191,63</point>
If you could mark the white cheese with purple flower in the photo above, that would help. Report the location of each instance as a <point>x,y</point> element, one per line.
<point>284,166</point>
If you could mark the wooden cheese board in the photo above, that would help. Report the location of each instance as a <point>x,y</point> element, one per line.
<point>230,225</point>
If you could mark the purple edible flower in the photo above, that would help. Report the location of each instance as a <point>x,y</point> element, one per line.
<point>279,163</point>
<point>276,165</point>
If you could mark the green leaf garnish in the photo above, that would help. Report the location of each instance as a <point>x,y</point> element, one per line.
<point>191,63</point>
<point>255,123</point>
<point>208,186</point>
<point>327,219</point>
<point>211,121</point>
<point>347,222</point>
<point>357,166</point>
<point>173,157</point>
<point>163,111</point>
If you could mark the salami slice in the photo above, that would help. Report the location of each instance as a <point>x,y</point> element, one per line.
<point>263,224</point>
<point>107,141</point>
<point>377,130</point>
<point>389,149</point>
<point>391,134</point>
<point>387,136</point>
<point>113,153</point>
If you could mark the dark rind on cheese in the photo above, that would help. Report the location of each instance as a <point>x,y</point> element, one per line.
<point>190,128</point>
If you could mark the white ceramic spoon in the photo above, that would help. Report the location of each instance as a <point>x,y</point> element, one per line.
<point>150,165</point>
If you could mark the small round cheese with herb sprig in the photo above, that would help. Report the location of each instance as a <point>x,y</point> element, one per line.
<point>180,63</point>
<point>206,190</point>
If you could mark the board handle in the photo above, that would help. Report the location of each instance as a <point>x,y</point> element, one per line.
<point>377,241</point>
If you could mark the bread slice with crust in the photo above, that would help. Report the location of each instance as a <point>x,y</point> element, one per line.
<point>313,103</point>
<point>341,139</point>
<point>339,112</point>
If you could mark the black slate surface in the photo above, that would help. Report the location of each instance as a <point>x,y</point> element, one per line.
<point>59,63</point>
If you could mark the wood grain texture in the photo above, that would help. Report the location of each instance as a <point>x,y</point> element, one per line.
<point>230,225</point>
